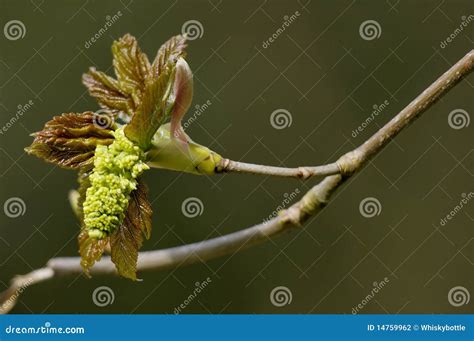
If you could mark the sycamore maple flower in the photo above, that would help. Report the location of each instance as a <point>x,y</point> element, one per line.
<point>116,168</point>
<point>112,150</point>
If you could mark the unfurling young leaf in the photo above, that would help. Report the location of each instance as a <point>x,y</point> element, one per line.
<point>152,111</point>
<point>70,140</point>
<point>167,152</point>
<point>155,105</point>
<point>131,67</point>
<point>90,249</point>
<point>108,93</point>
<point>124,94</point>
<point>169,52</point>
<point>127,239</point>
<point>183,97</point>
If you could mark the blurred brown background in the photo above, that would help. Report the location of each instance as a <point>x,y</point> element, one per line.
<point>328,74</point>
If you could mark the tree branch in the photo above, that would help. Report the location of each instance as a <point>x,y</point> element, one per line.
<point>311,203</point>
<point>227,166</point>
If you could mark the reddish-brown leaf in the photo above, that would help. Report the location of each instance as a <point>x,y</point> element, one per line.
<point>128,238</point>
<point>151,113</point>
<point>70,140</point>
<point>107,91</point>
<point>168,53</point>
<point>131,65</point>
<point>90,249</point>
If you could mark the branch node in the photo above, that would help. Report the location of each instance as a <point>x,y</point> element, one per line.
<point>350,162</point>
<point>303,173</point>
<point>222,166</point>
<point>291,216</point>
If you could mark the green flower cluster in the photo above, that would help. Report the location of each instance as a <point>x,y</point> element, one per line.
<point>116,168</point>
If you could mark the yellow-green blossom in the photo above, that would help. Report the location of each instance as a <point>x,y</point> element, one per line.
<point>116,168</point>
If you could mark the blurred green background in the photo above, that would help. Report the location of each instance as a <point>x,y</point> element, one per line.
<point>322,71</point>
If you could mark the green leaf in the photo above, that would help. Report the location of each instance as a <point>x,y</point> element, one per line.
<point>131,66</point>
<point>183,97</point>
<point>141,90</point>
<point>107,91</point>
<point>121,95</point>
<point>90,249</point>
<point>128,238</point>
<point>70,140</point>
<point>153,110</point>
<point>168,152</point>
<point>169,52</point>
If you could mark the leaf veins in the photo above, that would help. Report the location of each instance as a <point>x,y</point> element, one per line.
<point>70,140</point>
<point>128,238</point>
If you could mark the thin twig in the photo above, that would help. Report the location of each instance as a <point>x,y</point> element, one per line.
<point>311,203</point>
<point>227,166</point>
